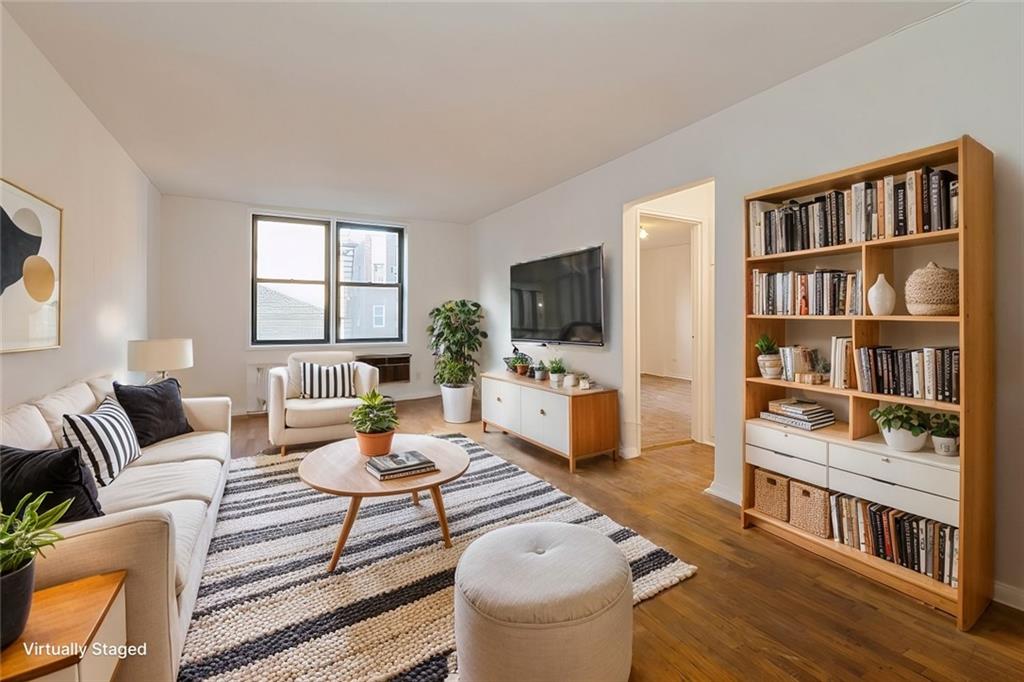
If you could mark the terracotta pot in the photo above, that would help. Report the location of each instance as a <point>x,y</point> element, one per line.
<point>521,370</point>
<point>375,444</point>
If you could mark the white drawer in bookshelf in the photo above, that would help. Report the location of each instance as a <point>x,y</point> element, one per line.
<point>788,465</point>
<point>784,442</point>
<point>930,506</point>
<point>895,469</point>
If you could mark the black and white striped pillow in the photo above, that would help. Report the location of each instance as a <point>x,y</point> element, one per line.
<point>106,439</point>
<point>333,381</point>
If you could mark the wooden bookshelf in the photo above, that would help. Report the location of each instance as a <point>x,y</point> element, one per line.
<point>972,240</point>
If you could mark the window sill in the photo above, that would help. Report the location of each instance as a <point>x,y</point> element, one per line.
<point>328,346</point>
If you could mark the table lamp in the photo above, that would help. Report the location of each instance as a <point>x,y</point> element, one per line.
<point>159,355</point>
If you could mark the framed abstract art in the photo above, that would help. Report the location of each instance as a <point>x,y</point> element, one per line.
<point>30,262</point>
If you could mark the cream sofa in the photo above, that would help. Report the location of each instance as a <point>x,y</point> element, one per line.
<point>292,419</point>
<point>159,517</point>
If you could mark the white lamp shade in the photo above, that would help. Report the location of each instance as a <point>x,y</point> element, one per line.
<point>159,355</point>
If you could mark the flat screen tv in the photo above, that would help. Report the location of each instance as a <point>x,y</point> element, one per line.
<point>559,299</point>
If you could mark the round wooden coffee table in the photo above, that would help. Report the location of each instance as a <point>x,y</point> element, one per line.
<point>339,469</point>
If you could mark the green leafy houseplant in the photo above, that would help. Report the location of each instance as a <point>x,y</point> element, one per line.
<point>769,362</point>
<point>766,345</point>
<point>23,534</point>
<point>556,366</point>
<point>448,372</point>
<point>904,427</point>
<point>455,335</point>
<point>945,425</point>
<point>374,421</point>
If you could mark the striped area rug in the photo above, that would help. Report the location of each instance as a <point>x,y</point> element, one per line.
<point>268,610</point>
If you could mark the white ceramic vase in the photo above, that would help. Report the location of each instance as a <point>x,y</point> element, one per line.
<point>881,297</point>
<point>569,380</point>
<point>903,440</point>
<point>946,446</point>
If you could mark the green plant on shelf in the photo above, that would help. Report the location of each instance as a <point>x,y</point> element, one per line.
<point>945,425</point>
<point>901,417</point>
<point>519,361</point>
<point>766,345</point>
<point>556,366</point>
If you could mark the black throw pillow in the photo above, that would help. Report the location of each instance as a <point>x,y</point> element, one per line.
<point>60,472</point>
<point>155,410</point>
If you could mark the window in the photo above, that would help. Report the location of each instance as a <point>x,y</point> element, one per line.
<point>290,280</point>
<point>295,286</point>
<point>369,298</point>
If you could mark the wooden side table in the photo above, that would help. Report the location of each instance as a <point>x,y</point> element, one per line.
<point>75,632</point>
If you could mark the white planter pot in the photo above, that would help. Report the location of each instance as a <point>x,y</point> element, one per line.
<point>555,379</point>
<point>458,403</point>
<point>903,440</point>
<point>770,365</point>
<point>946,446</point>
<point>569,380</point>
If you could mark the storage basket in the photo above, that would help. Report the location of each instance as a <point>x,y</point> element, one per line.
<point>933,290</point>
<point>771,494</point>
<point>809,508</point>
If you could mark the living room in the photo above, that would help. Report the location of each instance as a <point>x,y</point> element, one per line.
<point>248,239</point>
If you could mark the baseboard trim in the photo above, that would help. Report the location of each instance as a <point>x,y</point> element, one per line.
<point>1010,595</point>
<point>732,496</point>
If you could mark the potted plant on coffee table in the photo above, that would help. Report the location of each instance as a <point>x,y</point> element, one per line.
<point>946,434</point>
<point>455,338</point>
<point>23,534</point>
<point>768,360</point>
<point>374,420</point>
<point>904,428</point>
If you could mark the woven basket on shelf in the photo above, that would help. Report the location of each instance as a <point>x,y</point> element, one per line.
<point>808,508</point>
<point>771,494</point>
<point>933,290</point>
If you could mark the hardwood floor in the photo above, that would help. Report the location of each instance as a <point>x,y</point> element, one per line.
<point>758,607</point>
<point>665,408</point>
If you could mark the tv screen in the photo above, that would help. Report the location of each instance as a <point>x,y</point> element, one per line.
<point>559,299</point>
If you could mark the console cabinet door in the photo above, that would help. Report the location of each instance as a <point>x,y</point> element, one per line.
<point>499,403</point>
<point>546,418</point>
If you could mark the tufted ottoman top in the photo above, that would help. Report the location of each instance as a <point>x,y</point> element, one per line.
<point>542,573</point>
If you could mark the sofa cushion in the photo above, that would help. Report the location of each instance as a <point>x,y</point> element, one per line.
<point>210,445</point>
<point>101,386</point>
<point>188,516</point>
<point>155,410</point>
<point>307,413</point>
<point>77,398</point>
<point>59,472</point>
<point>23,426</point>
<point>144,486</point>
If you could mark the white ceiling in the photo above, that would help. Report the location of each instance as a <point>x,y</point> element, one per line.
<point>445,112</point>
<point>664,232</point>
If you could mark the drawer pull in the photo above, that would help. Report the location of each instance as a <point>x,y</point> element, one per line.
<point>542,412</point>
<point>805,493</point>
<point>499,398</point>
<point>782,454</point>
<point>886,460</point>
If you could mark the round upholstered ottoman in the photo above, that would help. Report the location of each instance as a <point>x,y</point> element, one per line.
<point>543,601</point>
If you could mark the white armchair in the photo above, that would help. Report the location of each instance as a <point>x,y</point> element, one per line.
<point>293,419</point>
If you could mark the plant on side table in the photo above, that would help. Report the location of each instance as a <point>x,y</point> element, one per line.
<point>946,434</point>
<point>23,534</point>
<point>374,420</point>
<point>455,338</point>
<point>768,360</point>
<point>903,427</point>
<point>556,372</point>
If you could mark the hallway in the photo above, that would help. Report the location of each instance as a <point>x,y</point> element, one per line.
<point>665,407</point>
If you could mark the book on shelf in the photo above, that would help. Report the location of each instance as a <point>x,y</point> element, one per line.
<point>842,362</point>
<point>924,373</point>
<point>806,423</point>
<point>915,542</point>
<point>399,465</point>
<point>923,200</point>
<point>797,360</point>
<point>821,292</point>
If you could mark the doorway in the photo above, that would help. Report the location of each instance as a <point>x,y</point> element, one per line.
<point>668,302</point>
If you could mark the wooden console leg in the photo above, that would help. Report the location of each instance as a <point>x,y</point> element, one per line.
<point>435,493</point>
<point>572,464</point>
<point>615,454</point>
<point>346,528</point>
<point>484,426</point>
<point>416,497</point>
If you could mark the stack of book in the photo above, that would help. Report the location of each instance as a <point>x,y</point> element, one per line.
<point>801,414</point>
<point>924,200</point>
<point>914,542</point>
<point>842,362</point>
<point>927,373</point>
<point>797,360</point>
<point>400,465</point>
<point>822,292</point>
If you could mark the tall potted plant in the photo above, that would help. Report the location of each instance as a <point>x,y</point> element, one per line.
<point>455,338</point>
<point>23,534</point>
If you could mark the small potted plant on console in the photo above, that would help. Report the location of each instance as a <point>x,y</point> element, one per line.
<point>23,534</point>
<point>556,372</point>
<point>903,427</point>
<point>768,360</point>
<point>946,434</point>
<point>540,371</point>
<point>521,364</point>
<point>374,420</point>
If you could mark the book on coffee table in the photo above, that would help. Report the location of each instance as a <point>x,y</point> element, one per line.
<point>400,464</point>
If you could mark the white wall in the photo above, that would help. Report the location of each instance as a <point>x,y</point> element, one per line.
<point>204,291</point>
<point>54,146</point>
<point>666,313</point>
<point>960,72</point>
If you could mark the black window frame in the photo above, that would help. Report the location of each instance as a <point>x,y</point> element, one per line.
<point>326,223</point>
<point>399,285</point>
